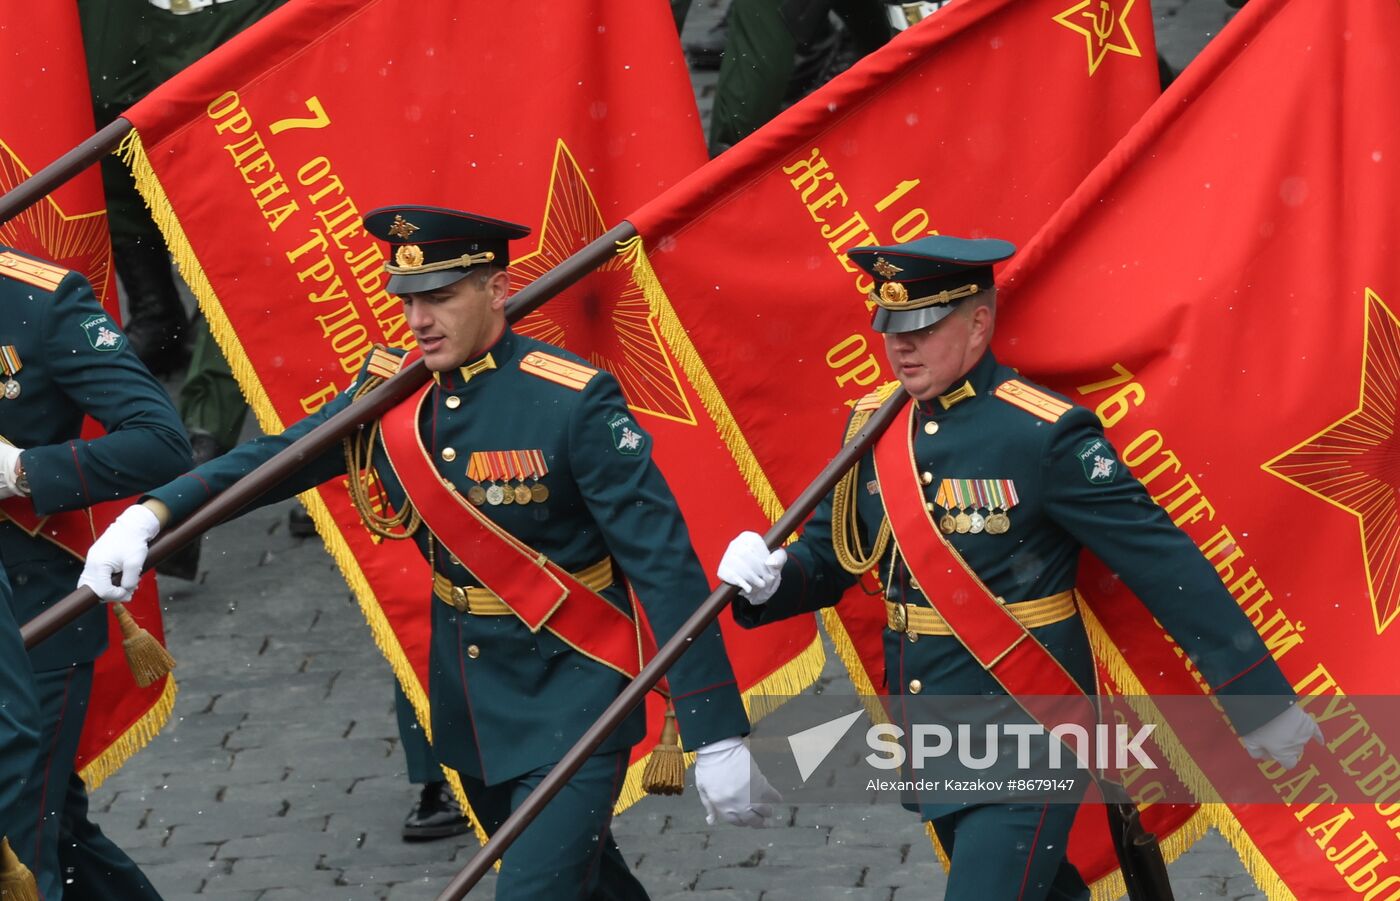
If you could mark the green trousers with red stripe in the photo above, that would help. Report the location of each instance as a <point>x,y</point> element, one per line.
<point>1010,852</point>
<point>568,850</point>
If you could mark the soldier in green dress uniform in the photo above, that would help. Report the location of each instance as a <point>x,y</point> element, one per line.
<point>63,358</point>
<point>517,448</point>
<point>1002,469</point>
<point>19,732</point>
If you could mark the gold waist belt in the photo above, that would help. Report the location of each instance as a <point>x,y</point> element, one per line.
<point>1031,614</point>
<point>484,602</point>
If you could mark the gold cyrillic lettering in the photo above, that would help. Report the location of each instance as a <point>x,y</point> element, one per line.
<point>1365,877</point>
<point>1369,748</point>
<point>1390,882</point>
<point>317,241</point>
<point>1220,543</point>
<point>317,399</point>
<point>1323,833</point>
<point>1319,675</point>
<point>1290,788</point>
<point>1279,639</point>
<point>331,323</point>
<point>224,106</point>
<point>846,232</point>
<point>1244,588</point>
<point>899,191</point>
<point>338,215</point>
<point>906,229</point>
<point>837,194</point>
<point>1121,375</point>
<point>263,163</point>
<point>335,291</point>
<point>242,150</point>
<point>277,216</point>
<point>1116,406</point>
<point>814,171</point>
<point>1374,782</point>
<point>1328,796</point>
<point>313,171</point>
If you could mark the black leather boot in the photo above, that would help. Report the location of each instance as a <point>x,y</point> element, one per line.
<point>436,815</point>
<point>156,322</point>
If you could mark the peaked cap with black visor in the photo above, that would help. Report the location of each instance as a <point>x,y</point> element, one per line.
<point>921,282</point>
<point>432,247</point>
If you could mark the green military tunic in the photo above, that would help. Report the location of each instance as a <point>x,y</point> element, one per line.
<point>72,361</point>
<point>507,702</point>
<point>1062,506</point>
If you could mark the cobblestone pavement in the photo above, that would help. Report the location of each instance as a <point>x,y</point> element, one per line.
<point>280,777</point>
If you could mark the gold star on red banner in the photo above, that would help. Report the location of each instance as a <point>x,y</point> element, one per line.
<point>1354,463</point>
<point>604,318</point>
<point>76,242</point>
<point>1104,25</point>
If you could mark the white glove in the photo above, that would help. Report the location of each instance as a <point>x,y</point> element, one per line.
<point>1283,737</point>
<point>9,479</point>
<point>748,564</point>
<point>731,786</point>
<point>121,550</point>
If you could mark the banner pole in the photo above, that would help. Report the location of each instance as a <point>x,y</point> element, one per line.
<point>311,445</point>
<point>51,177</point>
<point>636,690</point>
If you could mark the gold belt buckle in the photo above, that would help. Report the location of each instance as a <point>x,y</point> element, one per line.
<point>180,6</point>
<point>914,12</point>
<point>899,618</point>
<point>459,599</point>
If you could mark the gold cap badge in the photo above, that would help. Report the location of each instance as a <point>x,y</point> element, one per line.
<point>885,269</point>
<point>402,228</point>
<point>408,256</point>
<point>894,294</point>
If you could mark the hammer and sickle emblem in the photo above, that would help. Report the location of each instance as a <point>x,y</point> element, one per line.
<point>1103,21</point>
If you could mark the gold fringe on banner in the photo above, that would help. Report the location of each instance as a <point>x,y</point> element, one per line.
<point>124,746</point>
<point>133,153</point>
<point>1258,867</point>
<point>676,338</point>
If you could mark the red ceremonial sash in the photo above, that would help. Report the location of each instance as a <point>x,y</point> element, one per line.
<point>1004,647</point>
<point>529,583</point>
<point>72,530</point>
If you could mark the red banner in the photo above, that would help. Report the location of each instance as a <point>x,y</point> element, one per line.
<point>259,160</point>
<point>978,121</point>
<point>46,111</point>
<point>1222,289</point>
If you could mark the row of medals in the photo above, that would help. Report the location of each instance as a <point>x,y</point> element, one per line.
<point>501,495</point>
<point>995,523</point>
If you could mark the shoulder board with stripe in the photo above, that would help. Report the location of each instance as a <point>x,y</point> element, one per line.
<point>383,363</point>
<point>31,272</point>
<point>874,399</point>
<point>1033,400</point>
<point>557,369</point>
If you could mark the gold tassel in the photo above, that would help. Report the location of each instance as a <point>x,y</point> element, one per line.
<point>665,772</point>
<point>149,661</point>
<point>16,882</point>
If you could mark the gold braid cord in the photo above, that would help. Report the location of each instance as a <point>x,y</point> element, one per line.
<point>359,450</point>
<point>845,520</point>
